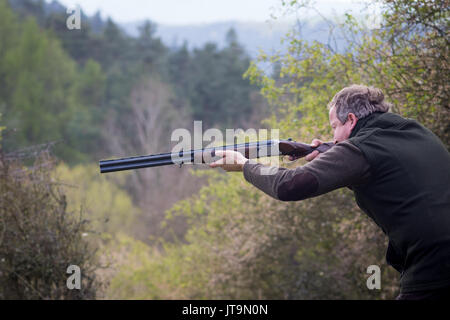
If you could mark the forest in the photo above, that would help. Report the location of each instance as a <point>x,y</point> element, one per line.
<point>69,98</point>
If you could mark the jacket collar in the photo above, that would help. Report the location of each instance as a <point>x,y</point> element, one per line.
<point>363,122</point>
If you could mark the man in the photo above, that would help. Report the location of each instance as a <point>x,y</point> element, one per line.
<point>399,172</point>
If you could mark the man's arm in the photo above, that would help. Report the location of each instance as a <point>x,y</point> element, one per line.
<point>341,166</point>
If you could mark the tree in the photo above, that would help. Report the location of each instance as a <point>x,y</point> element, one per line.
<point>114,45</point>
<point>220,96</point>
<point>44,97</point>
<point>152,52</point>
<point>410,54</point>
<point>34,66</point>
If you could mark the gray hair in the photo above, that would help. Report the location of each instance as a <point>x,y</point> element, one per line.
<point>359,100</point>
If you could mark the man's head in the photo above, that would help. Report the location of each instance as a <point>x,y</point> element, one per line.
<point>353,103</point>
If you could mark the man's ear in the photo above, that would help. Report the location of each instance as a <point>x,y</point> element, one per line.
<point>353,120</point>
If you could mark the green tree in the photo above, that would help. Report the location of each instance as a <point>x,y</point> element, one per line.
<point>44,97</point>
<point>409,58</point>
<point>179,68</point>
<point>114,45</point>
<point>152,52</point>
<point>9,32</point>
<point>39,74</point>
<point>220,96</point>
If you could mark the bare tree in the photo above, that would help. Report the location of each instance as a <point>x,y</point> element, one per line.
<point>147,130</point>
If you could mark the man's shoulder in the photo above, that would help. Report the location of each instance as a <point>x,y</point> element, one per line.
<point>341,166</point>
<point>346,148</point>
<point>343,154</point>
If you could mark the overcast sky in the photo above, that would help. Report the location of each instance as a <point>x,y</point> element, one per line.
<point>179,12</point>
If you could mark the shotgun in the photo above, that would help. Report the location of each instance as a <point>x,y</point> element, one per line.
<point>250,150</point>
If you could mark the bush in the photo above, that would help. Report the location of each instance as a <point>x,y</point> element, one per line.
<point>39,237</point>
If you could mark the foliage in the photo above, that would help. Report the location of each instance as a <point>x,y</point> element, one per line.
<point>211,72</point>
<point>39,236</point>
<point>1,129</point>
<point>244,245</point>
<point>410,54</point>
<point>39,98</point>
<point>108,208</point>
<point>62,85</point>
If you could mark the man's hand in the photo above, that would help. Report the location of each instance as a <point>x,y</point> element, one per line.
<point>231,160</point>
<point>312,155</point>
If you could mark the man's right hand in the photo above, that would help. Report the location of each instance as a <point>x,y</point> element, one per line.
<point>312,155</point>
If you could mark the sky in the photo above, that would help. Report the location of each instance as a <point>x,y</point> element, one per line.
<point>182,12</point>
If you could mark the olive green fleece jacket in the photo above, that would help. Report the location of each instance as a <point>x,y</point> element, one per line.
<point>399,172</point>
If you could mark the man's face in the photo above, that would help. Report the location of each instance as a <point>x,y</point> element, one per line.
<point>341,131</point>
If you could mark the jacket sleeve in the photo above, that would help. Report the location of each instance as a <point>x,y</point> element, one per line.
<point>344,165</point>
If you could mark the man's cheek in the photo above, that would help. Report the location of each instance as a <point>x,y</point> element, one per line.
<point>336,135</point>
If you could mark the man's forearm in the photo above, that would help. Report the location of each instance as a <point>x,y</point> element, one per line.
<point>343,165</point>
<point>283,184</point>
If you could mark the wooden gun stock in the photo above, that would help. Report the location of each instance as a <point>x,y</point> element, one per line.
<point>300,150</point>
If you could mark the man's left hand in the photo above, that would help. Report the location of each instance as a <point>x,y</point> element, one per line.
<point>230,161</point>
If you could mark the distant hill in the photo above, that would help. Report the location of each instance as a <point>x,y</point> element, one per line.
<point>252,35</point>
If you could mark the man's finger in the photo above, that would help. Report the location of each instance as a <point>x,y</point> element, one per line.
<point>217,163</point>
<point>316,143</point>
<point>219,153</point>
<point>312,155</point>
